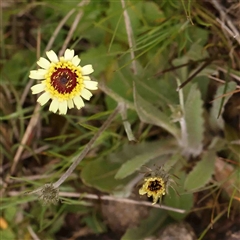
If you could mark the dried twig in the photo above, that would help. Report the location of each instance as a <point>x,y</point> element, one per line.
<point>32,123</point>
<point>32,233</point>
<point>219,80</point>
<point>110,198</point>
<point>122,200</point>
<point>194,74</point>
<point>226,22</point>
<point>59,27</point>
<point>30,127</point>
<point>236,77</point>
<point>73,27</point>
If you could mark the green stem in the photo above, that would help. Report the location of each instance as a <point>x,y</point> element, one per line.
<point>87,147</point>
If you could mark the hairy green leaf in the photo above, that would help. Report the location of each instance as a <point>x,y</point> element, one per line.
<point>100,174</point>
<point>202,172</point>
<point>193,123</point>
<point>183,201</point>
<point>148,151</point>
<point>150,114</point>
<point>216,120</point>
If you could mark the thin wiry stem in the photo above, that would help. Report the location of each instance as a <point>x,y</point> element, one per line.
<point>109,198</point>
<point>235,76</point>
<point>87,147</point>
<point>129,35</point>
<point>59,27</point>
<point>182,121</point>
<point>126,124</point>
<point>73,27</point>
<point>122,200</point>
<point>219,80</point>
<point>32,123</point>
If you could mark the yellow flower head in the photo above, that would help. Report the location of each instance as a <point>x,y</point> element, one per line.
<point>63,80</point>
<point>156,183</point>
<point>153,187</point>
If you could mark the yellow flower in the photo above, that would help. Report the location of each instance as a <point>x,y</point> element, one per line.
<point>63,80</point>
<point>153,187</point>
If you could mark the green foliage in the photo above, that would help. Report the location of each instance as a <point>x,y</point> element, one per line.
<point>100,174</point>
<point>216,119</point>
<point>116,20</point>
<point>148,226</point>
<point>98,58</point>
<point>94,223</point>
<point>7,234</point>
<point>150,114</point>
<point>171,128</point>
<point>152,13</point>
<point>145,152</point>
<point>177,196</point>
<point>232,138</point>
<point>201,173</point>
<point>23,60</point>
<point>10,213</point>
<point>193,118</point>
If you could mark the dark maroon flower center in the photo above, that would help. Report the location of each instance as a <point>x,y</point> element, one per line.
<point>64,80</point>
<point>154,186</point>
